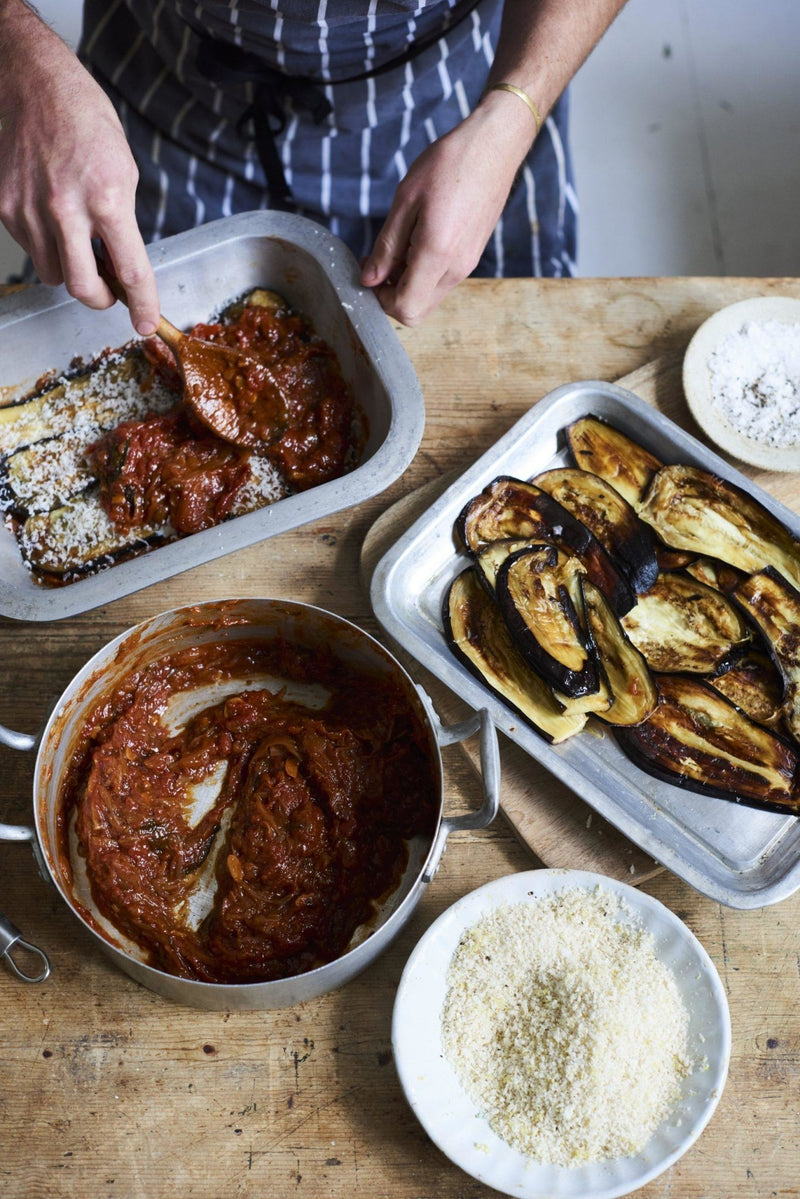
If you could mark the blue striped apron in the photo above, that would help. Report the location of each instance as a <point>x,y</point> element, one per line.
<point>195,142</point>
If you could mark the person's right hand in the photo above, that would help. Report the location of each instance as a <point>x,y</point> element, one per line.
<point>67,174</point>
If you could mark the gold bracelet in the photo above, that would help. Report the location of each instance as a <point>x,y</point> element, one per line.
<point>517,91</point>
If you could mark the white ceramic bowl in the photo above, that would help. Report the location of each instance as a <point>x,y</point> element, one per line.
<point>698,381</point>
<point>450,1117</point>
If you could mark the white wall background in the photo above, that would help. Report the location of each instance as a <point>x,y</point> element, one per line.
<point>686,138</point>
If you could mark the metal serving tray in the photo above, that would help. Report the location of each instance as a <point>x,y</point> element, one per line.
<point>42,329</point>
<point>739,856</point>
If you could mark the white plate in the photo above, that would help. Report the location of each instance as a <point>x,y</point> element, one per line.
<point>449,1116</point>
<point>697,381</point>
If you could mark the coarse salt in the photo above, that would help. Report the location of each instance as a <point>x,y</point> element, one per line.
<point>755,381</point>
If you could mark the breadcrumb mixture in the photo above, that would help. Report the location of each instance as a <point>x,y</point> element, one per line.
<point>564,1027</point>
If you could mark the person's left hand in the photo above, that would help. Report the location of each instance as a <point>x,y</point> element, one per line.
<point>445,209</point>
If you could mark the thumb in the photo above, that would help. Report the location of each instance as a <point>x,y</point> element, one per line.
<point>388,255</point>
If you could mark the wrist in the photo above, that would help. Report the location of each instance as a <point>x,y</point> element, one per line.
<point>509,123</point>
<point>524,98</point>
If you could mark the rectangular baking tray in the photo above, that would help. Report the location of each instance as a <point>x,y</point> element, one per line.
<point>739,856</point>
<point>42,329</point>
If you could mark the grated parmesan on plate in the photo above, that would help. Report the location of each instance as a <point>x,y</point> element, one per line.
<point>564,1028</point>
<point>755,381</point>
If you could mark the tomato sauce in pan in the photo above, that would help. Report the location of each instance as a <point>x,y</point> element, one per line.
<point>173,468</point>
<point>303,830</point>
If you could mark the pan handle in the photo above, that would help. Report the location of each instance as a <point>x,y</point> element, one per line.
<point>14,740</point>
<point>11,938</point>
<point>490,777</point>
<point>19,832</point>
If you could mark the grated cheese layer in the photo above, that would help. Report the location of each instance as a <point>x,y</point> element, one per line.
<point>47,488</point>
<point>564,1027</point>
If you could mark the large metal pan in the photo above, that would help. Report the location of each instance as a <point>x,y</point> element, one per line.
<point>227,620</point>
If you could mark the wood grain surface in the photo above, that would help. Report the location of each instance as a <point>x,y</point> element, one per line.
<point>107,1090</point>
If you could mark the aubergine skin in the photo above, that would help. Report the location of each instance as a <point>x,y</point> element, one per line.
<point>509,508</point>
<point>537,592</point>
<point>628,541</point>
<point>774,607</point>
<point>697,739</point>
<point>478,638</point>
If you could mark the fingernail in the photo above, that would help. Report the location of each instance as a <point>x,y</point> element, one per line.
<point>369,272</point>
<point>145,328</point>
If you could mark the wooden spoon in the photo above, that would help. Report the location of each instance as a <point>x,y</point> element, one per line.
<point>232,393</point>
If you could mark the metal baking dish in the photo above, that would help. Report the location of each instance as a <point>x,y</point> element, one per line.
<point>42,329</point>
<point>739,856</point>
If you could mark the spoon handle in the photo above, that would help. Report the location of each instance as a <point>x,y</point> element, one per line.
<point>169,333</point>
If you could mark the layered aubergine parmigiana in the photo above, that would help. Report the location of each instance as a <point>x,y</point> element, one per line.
<point>658,598</point>
<point>236,809</point>
<point>109,461</point>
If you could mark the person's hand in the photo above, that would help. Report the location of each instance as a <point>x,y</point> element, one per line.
<point>67,174</point>
<point>445,209</point>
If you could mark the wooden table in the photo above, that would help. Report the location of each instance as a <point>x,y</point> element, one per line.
<point>108,1090</point>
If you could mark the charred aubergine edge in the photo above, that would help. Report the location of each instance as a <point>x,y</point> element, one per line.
<point>477,636</point>
<point>540,600</point>
<point>774,606</point>
<point>509,508</point>
<point>697,739</point>
<point>608,515</point>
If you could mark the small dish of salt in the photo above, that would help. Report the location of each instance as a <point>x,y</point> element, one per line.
<point>741,377</point>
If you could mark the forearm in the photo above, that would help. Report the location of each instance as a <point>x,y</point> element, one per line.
<point>26,43</point>
<point>542,44</point>
<point>453,195</point>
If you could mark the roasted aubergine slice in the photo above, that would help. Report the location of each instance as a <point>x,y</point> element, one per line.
<point>492,556</point>
<point>683,625</point>
<point>540,599</point>
<point>478,637</point>
<point>609,516</point>
<point>715,574</point>
<point>755,685</point>
<point>600,448</point>
<point>624,668</point>
<point>697,739</point>
<point>774,606</point>
<point>513,509</point>
<point>692,509</point>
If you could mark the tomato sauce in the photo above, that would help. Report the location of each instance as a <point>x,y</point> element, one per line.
<point>250,841</point>
<point>174,468</point>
